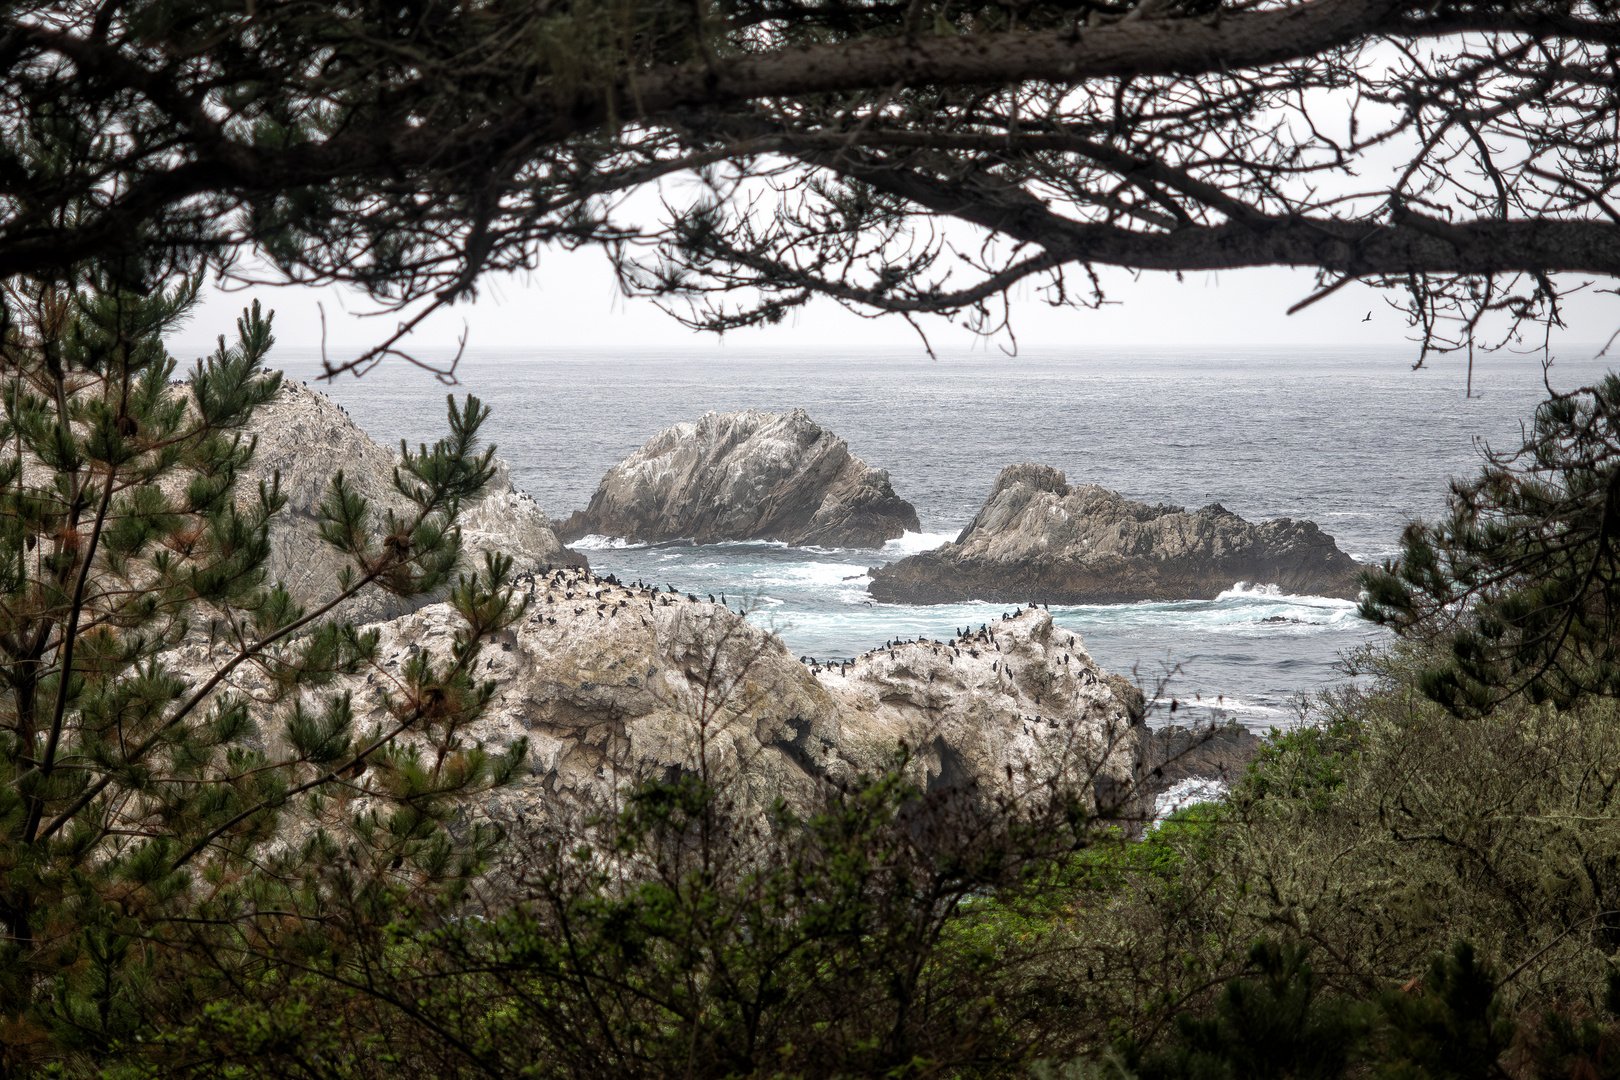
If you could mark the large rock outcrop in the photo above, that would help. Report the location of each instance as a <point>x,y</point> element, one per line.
<point>746,476</point>
<point>309,437</point>
<point>607,683</point>
<point>1036,538</point>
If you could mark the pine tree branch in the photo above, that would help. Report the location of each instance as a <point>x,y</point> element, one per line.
<point>70,633</point>
<point>244,654</point>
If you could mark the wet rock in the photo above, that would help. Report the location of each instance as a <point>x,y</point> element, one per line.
<point>1037,538</point>
<point>1216,753</point>
<point>746,476</point>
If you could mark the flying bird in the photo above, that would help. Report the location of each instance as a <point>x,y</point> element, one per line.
<point>1368,318</point>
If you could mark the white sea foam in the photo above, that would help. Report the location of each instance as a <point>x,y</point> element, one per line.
<point>743,543</point>
<point>913,543</point>
<point>1249,590</point>
<point>1185,793</point>
<point>1276,604</point>
<point>1196,708</point>
<point>598,542</point>
<point>833,575</point>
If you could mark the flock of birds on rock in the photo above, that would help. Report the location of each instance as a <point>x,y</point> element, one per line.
<point>966,638</point>
<point>970,641</point>
<point>580,589</point>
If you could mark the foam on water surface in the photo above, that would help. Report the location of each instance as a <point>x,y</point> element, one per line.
<point>597,542</point>
<point>1214,658</point>
<point>1185,793</point>
<point>915,543</point>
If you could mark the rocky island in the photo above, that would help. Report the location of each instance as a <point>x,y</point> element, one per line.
<point>1037,538</point>
<point>606,680</point>
<point>746,476</point>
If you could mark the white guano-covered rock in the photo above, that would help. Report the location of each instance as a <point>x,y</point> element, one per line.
<point>1020,694</point>
<point>308,437</point>
<point>611,684</point>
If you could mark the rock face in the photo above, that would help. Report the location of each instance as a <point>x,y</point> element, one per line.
<point>746,476</point>
<point>1220,753</point>
<point>307,436</point>
<point>607,683</point>
<point>1036,538</point>
<point>1019,693</point>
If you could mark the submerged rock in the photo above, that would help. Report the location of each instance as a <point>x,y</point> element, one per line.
<point>1036,538</point>
<point>746,476</point>
<point>608,681</point>
<point>309,437</point>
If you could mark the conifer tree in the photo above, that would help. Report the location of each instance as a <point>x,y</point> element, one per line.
<point>1517,589</point>
<point>156,807</point>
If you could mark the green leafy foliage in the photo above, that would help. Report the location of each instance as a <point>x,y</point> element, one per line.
<point>1278,1023</point>
<point>1267,1027</point>
<point>683,935</point>
<point>1455,1029</point>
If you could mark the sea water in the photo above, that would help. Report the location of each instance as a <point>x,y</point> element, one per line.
<point>1353,439</point>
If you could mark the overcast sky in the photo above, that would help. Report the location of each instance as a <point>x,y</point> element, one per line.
<point>572,303</point>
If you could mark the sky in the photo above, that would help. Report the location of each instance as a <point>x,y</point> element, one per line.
<point>572,304</point>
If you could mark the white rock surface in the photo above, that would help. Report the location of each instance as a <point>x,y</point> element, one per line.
<point>309,437</point>
<point>608,684</point>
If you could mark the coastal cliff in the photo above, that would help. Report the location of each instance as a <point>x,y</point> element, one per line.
<point>1037,538</point>
<point>309,437</point>
<point>746,476</point>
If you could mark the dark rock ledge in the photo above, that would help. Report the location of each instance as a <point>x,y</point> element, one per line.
<point>1038,539</point>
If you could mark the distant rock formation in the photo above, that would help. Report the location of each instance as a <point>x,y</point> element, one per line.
<point>746,476</point>
<point>309,437</point>
<point>606,681</point>
<point>1036,538</point>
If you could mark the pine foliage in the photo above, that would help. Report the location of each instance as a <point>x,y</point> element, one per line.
<point>1520,584</point>
<point>182,779</point>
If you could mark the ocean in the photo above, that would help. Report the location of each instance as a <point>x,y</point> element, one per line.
<point>1353,439</point>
